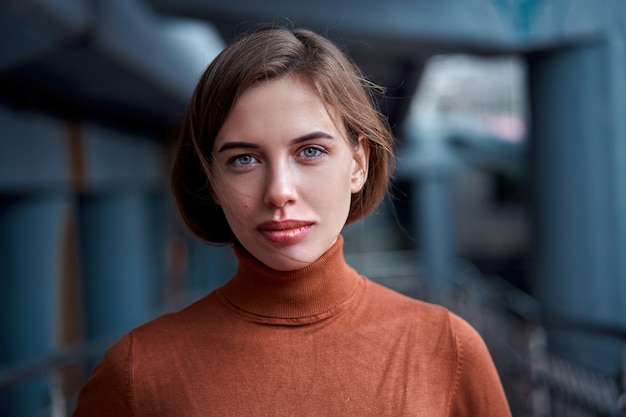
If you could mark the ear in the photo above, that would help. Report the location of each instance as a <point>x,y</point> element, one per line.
<point>360,164</point>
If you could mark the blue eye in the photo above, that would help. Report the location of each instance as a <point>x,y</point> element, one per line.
<point>311,152</point>
<point>243,160</point>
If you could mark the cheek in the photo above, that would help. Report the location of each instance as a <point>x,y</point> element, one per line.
<point>332,192</point>
<point>232,189</point>
<point>237,211</point>
<point>233,198</point>
<point>240,204</point>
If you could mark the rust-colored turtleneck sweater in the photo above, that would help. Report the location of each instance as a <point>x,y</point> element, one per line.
<point>320,341</point>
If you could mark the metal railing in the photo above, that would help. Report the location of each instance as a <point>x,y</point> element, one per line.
<point>52,367</point>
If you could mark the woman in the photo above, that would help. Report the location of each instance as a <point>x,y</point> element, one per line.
<point>282,147</point>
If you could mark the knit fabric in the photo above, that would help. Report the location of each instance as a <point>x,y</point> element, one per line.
<point>319,341</point>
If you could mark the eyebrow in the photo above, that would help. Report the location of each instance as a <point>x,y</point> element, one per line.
<point>299,139</point>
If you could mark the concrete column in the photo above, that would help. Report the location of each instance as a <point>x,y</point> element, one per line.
<point>577,164</point>
<point>31,229</point>
<point>116,262</point>
<point>123,227</point>
<point>429,164</point>
<point>35,206</point>
<point>433,212</point>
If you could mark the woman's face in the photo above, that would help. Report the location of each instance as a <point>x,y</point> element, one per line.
<point>284,173</point>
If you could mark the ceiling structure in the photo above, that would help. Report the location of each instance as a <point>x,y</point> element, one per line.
<point>135,62</point>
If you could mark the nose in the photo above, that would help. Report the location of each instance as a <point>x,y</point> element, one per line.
<point>280,188</point>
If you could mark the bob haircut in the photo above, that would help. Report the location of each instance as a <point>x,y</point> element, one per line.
<point>267,53</point>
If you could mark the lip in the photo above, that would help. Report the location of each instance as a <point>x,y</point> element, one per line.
<point>284,232</point>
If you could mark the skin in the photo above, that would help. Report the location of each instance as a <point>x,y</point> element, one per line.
<point>284,173</point>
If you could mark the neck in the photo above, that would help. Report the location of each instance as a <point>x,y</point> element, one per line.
<point>310,292</point>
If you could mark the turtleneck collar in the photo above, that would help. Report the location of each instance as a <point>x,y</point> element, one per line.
<point>302,296</point>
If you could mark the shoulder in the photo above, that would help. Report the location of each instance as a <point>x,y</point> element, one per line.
<point>477,388</point>
<point>386,301</point>
<point>146,354</point>
<point>187,319</point>
<point>445,329</point>
<point>429,328</point>
<point>389,302</point>
<point>109,390</point>
<point>450,345</point>
<point>468,341</point>
<point>149,340</point>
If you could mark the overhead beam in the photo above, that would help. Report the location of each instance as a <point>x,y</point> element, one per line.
<point>490,24</point>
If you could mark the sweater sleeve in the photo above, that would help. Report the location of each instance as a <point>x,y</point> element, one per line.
<point>108,392</point>
<point>477,390</point>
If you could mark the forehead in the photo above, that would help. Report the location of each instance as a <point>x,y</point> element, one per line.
<point>282,106</point>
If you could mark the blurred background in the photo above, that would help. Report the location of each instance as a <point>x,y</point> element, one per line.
<point>508,203</point>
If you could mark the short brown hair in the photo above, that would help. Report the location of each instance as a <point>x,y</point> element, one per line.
<point>266,53</point>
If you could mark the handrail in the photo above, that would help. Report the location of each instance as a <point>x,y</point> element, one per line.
<point>527,307</point>
<point>72,354</point>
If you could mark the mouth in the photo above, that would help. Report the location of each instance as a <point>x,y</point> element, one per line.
<point>289,231</point>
